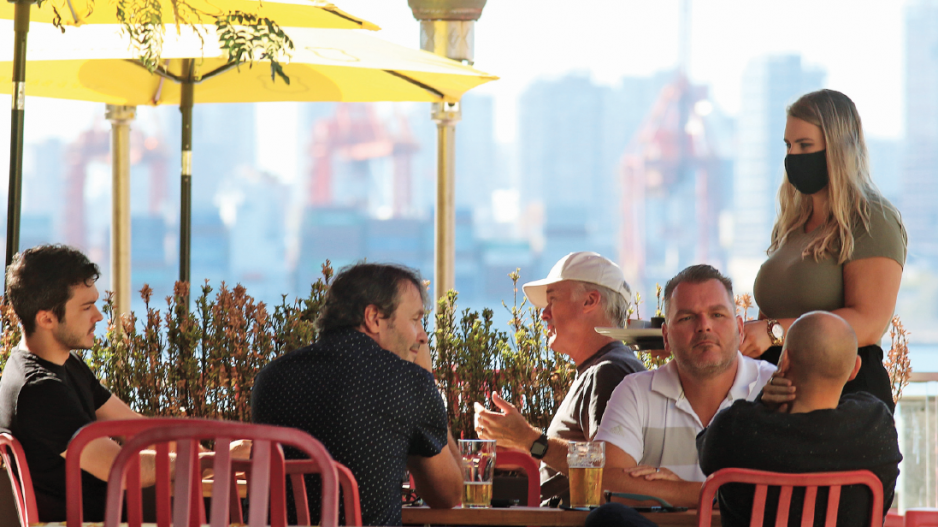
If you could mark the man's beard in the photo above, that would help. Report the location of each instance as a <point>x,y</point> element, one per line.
<point>71,340</point>
<point>703,370</point>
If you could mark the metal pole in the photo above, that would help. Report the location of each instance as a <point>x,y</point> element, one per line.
<point>444,248</point>
<point>447,28</point>
<point>185,206</point>
<point>17,120</point>
<point>120,117</point>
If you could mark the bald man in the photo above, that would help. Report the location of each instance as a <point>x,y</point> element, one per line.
<point>818,431</point>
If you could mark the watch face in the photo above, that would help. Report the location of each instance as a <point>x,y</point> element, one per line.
<point>777,331</point>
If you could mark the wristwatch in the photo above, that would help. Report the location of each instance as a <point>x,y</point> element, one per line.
<point>539,448</point>
<point>776,332</point>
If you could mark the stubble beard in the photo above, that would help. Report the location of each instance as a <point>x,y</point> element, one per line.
<point>701,369</point>
<point>72,340</point>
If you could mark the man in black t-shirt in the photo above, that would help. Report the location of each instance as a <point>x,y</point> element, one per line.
<point>359,391</point>
<point>817,431</point>
<point>46,391</point>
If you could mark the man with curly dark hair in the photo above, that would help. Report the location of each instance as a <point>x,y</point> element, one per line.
<point>47,392</point>
<point>366,391</point>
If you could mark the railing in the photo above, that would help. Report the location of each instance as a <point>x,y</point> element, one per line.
<point>917,424</point>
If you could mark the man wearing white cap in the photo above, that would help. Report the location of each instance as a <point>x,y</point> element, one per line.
<point>582,291</point>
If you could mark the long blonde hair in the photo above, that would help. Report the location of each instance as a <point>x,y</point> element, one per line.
<point>850,187</point>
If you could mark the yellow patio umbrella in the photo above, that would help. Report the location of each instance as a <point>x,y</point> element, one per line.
<point>96,63</point>
<point>297,13</point>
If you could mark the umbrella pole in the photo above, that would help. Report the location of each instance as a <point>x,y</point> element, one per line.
<point>447,28</point>
<point>17,121</point>
<point>185,194</point>
<point>120,117</point>
<point>446,116</point>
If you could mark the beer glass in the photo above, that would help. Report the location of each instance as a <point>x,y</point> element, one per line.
<point>585,460</point>
<point>478,468</point>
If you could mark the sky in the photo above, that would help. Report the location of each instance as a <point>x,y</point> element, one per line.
<point>858,42</point>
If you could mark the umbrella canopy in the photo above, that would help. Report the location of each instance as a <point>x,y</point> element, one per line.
<point>96,63</point>
<point>296,13</point>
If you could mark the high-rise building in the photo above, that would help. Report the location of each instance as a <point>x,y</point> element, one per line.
<point>770,84</point>
<point>571,136</point>
<point>920,160</point>
<point>476,177</point>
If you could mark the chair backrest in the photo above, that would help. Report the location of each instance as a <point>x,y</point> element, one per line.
<point>530,467</point>
<point>126,429</point>
<point>787,482</point>
<point>921,517</point>
<point>14,459</point>
<point>297,468</point>
<point>267,478</point>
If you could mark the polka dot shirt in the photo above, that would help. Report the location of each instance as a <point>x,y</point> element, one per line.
<point>367,406</point>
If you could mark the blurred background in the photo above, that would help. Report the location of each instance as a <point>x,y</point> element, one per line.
<point>574,148</point>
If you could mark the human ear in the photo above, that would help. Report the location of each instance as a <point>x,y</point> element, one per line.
<point>592,300</point>
<point>783,362</point>
<point>46,319</point>
<point>664,336</point>
<point>856,369</point>
<point>371,319</point>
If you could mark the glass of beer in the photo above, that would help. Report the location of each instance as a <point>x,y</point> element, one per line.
<point>478,468</point>
<point>585,460</point>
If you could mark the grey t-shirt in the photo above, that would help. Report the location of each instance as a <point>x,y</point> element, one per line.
<point>789,285</point>
<point>582,409</point>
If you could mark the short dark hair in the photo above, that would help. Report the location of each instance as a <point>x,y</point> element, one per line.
<point>41,279</point>
<point>361,285</point>
<point>695,274</point>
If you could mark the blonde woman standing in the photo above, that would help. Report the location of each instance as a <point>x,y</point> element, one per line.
<point>837,245</point>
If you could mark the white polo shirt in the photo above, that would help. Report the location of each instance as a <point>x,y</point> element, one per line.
<point>649,418</point>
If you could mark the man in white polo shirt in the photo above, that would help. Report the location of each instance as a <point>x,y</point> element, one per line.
<point>653,418</point>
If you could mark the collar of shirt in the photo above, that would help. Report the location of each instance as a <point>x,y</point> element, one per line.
<point>594,358</point>
<point>666,382</point>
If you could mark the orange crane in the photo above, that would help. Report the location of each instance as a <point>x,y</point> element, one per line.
<point>355,133</point>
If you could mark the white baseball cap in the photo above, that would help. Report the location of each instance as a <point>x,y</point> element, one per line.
<point>583,267</point>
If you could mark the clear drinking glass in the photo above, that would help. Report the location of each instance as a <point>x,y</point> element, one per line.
<point>478,463</point>
<point>585,460</point>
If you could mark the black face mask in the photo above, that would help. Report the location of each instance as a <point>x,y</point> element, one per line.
<point>807,172</point>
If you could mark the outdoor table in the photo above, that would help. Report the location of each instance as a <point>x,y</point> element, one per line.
<point>523,516</point>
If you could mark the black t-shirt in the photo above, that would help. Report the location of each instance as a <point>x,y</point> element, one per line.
<point>860,434</point>
<point>367,406</point>
<point>43,405</point>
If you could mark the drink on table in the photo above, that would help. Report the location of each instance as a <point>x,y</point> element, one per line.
<point>478,463</point>
<point>476,494</point>
<point>585,460</point>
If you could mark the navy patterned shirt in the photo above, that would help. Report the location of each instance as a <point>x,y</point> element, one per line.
<point>368,407</point>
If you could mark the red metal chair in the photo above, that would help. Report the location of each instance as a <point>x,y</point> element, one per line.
<point>530,467</point>
<point>921,517</point>
<point>14,459</point>
<point>267,478</point>
<point>296,468</point>
<point>126,429</point>
<point>894,519</point>
<point>811,482</point>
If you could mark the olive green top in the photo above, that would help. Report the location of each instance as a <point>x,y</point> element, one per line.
<point>789,285</point>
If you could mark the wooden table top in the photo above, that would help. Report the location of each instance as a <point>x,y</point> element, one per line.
<point>523,516</point>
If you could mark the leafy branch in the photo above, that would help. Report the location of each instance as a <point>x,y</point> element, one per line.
<point>247,38</point>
